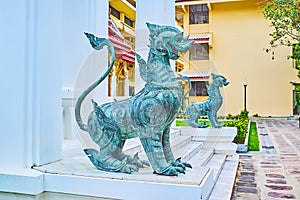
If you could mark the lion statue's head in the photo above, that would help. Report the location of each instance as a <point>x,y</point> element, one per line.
<point>168,40</point>
<point>219,80</point>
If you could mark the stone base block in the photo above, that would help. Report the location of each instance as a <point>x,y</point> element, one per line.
<point>25,181</point>
<point>218,138</point>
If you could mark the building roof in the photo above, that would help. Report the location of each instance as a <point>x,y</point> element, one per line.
<point>194,2</point>
<point>123,50</point>
<point>205,37</point>
<point>192,74</point>
<point>196,76</point>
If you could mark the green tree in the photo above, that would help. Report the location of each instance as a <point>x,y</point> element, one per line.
<point>284,16</point>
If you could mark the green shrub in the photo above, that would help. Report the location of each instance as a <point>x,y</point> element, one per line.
<point>242,125</point>
<point>229,116</point>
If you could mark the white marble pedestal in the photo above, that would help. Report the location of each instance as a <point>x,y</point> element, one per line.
<point>218,138</point>
<point>209,150</point>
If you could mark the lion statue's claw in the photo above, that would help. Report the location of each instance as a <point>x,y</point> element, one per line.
<point>129,169</point>
<point>135,160</point>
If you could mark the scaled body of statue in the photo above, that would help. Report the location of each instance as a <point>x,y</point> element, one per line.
<point>147,115</point>
<point>208,107</point>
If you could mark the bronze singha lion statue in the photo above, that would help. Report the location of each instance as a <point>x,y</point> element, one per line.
<point>208,107</point>
<point>147,115</point>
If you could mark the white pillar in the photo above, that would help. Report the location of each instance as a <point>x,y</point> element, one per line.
<point>75,48</point>
<point>79,17</point>
<point>94,64</point>
<point>161,12</point>
<point>98,24</point>
<point>30,82</point>
<point>126,84</point>
<point>82,65</point>
<point>114,83</point>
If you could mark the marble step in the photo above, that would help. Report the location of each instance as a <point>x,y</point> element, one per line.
<point>202,157</point>
<point>174,133</point>
<point>207,157</point>
<point>179,143</point>
<point>223,187</point>
<point>184,148</point>
<point>134,145</point>
<point>188,151</point>
<point>216,163</point>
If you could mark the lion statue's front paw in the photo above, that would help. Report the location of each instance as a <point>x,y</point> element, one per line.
<point>178,163</point>
<point>175,168</point>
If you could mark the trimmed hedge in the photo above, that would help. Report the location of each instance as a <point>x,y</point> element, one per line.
<point>241,123</point>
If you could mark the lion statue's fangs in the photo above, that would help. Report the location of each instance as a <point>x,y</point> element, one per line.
<point>147,115</point>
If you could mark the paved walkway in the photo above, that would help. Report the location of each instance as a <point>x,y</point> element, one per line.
<point>274,172</point>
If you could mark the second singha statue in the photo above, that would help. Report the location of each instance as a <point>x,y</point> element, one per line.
<point>147,115</point>
<point>209,107</point>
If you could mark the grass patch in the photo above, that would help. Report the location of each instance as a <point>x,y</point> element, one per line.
<point>253,141</point>
<point>181,122</point>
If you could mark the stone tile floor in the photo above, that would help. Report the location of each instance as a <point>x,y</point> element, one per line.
<point>274,172</point>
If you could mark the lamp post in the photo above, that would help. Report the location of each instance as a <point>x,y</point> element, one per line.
<point>245,94</point>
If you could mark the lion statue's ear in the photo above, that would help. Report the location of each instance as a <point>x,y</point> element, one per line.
<point>152,27</point>
<point>213,75</point>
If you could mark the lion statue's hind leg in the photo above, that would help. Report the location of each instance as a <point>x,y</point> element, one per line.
<point>194,111</point>
<point>106,134</point>
<point>154,149</point>
<point>212,116</point>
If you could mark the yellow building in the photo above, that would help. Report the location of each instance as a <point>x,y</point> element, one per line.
<point>122,35</point>
<point>231,38</point>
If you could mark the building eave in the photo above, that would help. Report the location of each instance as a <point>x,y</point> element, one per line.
<point>194,2</point>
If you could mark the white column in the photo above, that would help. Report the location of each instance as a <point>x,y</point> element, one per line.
<point>79,17</point>
<point>98,24</point>
<point>75,46</point>
<point>160,12</point>
<point>126,84</point>
<point>82,65</point>
<point>75,50</point>
<point>114,83</point>
<point>30,82</point>
<point>91,67</point>
<point>94,64</point>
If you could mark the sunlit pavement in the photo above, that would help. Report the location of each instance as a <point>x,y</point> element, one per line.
<point>274,172</point>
